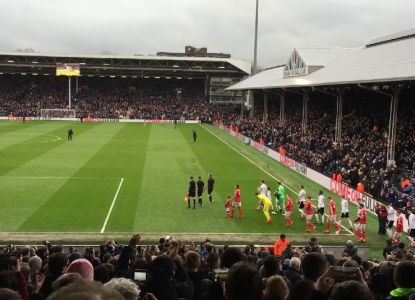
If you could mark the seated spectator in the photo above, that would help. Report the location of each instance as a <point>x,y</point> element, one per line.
<point>350,250</point>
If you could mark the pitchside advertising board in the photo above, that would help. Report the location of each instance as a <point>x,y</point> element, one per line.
<point>339,188</point>
<point>65,69</point>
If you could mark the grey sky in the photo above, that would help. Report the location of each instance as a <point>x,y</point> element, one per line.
<point>145,27</point>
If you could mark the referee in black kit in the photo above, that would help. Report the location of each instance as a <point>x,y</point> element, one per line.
<point>210,184</point>
<point>192,193</point>
<point>200,188</point>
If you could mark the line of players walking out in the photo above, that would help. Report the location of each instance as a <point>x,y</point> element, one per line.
<point>308,211</point>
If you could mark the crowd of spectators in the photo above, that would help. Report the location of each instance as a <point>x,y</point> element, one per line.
<point>105,97</point>
<point>359,157</point>
<point>172,270</point>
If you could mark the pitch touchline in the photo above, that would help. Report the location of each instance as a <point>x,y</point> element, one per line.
<point>112,206</point>
<point>60,177</point>
<point>175,233</point>
<point>259,167</point>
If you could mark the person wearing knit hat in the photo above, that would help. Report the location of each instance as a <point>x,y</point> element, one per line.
<point>74,256</point>
<point>83,267</point>
<point>35,264</point>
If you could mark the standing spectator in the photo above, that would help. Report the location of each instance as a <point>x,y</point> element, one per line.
<point>280,245</point>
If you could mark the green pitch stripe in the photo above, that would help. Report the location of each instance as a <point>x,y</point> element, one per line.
<point>167,167</point>
<point>128,152</point>
<point>12,126</point>
<point>47,210</point>
<point>29,133</point>
<point>23,151</point>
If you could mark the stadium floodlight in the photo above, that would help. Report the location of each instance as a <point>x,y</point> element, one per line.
<point>123,76</point>
<point>168,77</point>
<point>10,61</point>
<point>22,73</point>
<point>190,78</point>
<point>105,64</point>
<point>35,62</point>
<point>175,66</point>
<point>221,67</point>
<point>82,63</point>
<point>34,74</point>
<point>179,78</point>
<point>157,77</point>
<point>112,76</point>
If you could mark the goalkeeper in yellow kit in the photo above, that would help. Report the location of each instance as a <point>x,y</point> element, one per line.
<point>267,205</point>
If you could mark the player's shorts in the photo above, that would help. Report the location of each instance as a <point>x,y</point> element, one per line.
<point>332,218</point>
<point>361,226</point>
<point>210,190</point>
<point>236,204</point>
<point>228,209</point>
<point>412,233</point>
<point>301,205</point>
<point>389,224</point>
<point>199,194</point>
<point>288,213</point>
<point>345,215</point>
<point>192,193</point>
<point>320,210</point>
<point>308,217</point>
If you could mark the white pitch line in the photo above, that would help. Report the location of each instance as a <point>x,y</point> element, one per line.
<point>112,206</point>
<point>163,233</point>
<point>59,177</point>
<point>259,167</point>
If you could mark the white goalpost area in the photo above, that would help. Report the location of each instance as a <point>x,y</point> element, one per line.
<point>57,113</point>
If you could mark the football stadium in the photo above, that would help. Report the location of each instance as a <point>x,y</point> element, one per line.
<point>194,175</point>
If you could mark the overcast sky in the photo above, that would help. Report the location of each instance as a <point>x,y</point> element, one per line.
<point>145,27</point>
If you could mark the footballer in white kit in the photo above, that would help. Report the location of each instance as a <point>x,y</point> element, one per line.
<point>321,200</point>
<point>302,195</point>
<point>345,212</point>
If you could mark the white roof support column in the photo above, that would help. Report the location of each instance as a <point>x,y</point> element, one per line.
<point>265,113</point>
<point>306,98</point>
<point>282,108</point>
<point>393,119</point>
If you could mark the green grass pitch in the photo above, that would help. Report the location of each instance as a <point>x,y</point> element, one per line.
<point>49,184</point>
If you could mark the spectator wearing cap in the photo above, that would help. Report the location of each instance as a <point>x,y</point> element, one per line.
<point>83,267</point>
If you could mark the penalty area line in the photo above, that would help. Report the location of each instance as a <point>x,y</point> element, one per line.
<point>259,167</point>
<point>112,206</point>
